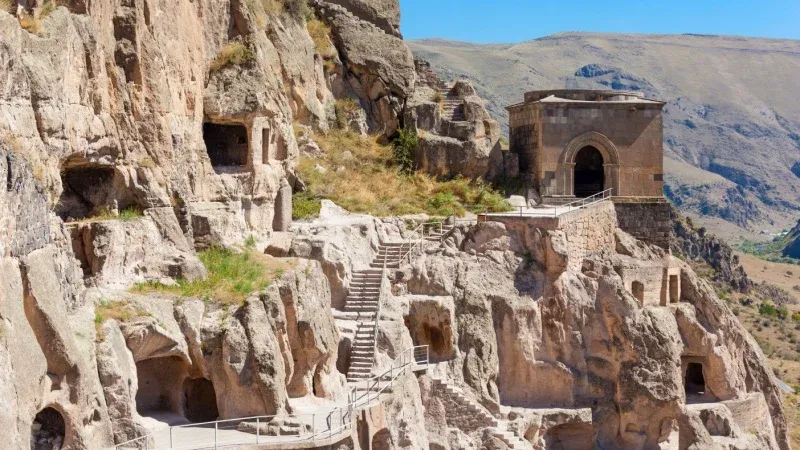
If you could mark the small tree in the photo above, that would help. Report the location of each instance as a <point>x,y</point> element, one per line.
<point>404,145</point>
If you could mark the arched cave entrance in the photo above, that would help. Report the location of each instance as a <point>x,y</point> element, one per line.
<point>694,380</point>
<point>570,436</point>
<point>589,177</point>
<point>438,336</point>
<point>227,144</point>
<point>160,391</point>
<point>48,430</point>
<point>87,189</point>
<point>200,400</point>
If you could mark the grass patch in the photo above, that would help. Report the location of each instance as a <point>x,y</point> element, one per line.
<point>321,35</point>
<point>305,206</point>
<point>231,277</point>
<point>232,54</point>
<point>362,176</point>
<point>117,310</point>
<point>125,215</point>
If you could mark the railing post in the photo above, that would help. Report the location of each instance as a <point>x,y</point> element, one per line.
<point>171,445</point>
<point>216,427</point>
<point>258,429</point>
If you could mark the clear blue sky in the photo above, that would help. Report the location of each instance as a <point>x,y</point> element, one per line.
<point>519,20</point>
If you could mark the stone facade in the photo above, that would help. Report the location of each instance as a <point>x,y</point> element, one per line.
<point>622,131</point>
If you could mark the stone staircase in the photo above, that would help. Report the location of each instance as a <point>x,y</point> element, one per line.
<point>362,300</point>
<point>435,236</point>
<point>468,415</point>
<point>392,252</point>
<point>451,106</point>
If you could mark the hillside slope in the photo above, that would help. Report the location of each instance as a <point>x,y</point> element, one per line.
<point>732,123</point>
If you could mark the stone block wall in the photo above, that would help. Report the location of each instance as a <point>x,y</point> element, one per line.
<point>24,215</point>
<point>649,222</point>
<point>588,231</point>
<point>585,231</point>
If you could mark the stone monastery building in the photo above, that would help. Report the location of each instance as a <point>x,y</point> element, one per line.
<point>575,143</point>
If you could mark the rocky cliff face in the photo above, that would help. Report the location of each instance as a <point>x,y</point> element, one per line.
<point>696,244</point>
<point>135,133</point>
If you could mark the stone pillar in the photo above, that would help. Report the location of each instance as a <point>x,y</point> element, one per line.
<point>567,177</point>
<point>283,208</point>
<point>611,175</point>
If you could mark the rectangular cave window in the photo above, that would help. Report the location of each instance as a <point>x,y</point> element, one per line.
<point>694,381</point>
<point>674,289</point>
<point>227,144</point>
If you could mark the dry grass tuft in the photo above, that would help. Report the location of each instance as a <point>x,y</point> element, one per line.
<point>30,23</point>
<point>116,310</point>
<point>8,6</point>
<point>232,277</point>
<point>232,54</point>
<point>321,35</point>
<point>360,176</point>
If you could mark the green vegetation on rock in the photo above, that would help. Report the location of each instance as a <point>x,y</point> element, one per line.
<point>231,277</point>
<point>364,176</point>
<point>232,54</point>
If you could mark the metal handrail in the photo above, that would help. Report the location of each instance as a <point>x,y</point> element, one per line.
<point>417,356</point>
<point>416,244</point>
<point>571,206</point>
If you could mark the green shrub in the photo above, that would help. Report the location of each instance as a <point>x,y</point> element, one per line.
<point>768,309</point>
<point>232,54</point>
<point>305,206</point>
<point>297,8</point>
<point>404,145</point>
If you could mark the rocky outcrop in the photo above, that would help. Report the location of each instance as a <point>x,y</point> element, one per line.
<point>538,341</point>
<point>792,248</point>
<point>457,135</point>
<point>693,243</point>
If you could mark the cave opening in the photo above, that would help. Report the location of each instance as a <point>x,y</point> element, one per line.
<point>637,288</point>
<point>87,190</point>
<point>227,144</point>
<point>694,382</point>
<point>48,430</point>
<point>438,338</point>
<point>160,391</point>
<point>674,289</point>
<point>200,400</point>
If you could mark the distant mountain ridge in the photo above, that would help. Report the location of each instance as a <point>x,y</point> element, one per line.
<point>732,120</point>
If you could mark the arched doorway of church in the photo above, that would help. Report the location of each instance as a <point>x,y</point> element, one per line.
<point>589,177</point>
